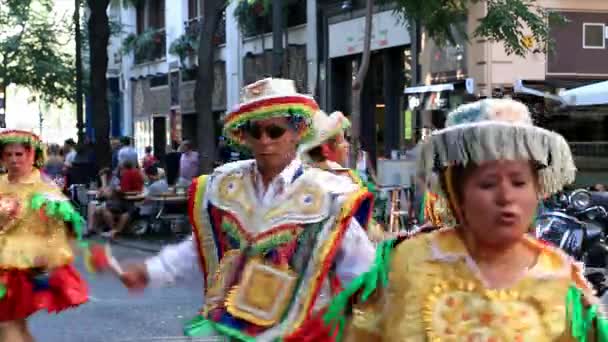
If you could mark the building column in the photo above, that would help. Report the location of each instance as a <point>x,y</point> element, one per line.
<point>392,60</point>
<point>234,70</point>
<point>311,46</point>
<point>369,139</point>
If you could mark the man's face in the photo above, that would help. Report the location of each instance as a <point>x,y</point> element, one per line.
<point>17,159</point>
<point>272,141</point>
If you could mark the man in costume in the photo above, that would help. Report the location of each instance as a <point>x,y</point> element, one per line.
<point>36,225</point>
<point>486,278</point>
<point>275,239</point>
<point>329,150</point>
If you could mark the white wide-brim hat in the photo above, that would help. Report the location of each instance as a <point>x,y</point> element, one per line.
<point>498,129</point>
<point>324,127</point>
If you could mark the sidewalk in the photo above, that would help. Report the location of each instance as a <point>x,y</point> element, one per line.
<point>146,243</point>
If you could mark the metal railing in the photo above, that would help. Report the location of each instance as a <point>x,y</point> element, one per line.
<point>590,149</point>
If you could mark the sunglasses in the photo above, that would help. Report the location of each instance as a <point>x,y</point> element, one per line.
<point>272,131</point>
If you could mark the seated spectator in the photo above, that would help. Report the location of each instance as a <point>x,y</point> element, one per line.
<point>131,179</point>
<point>149,158</point>
<point>158,186</point>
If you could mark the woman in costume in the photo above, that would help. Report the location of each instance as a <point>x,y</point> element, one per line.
<point>36,271</point>
<point>485,279</point>
<point>328,150</point>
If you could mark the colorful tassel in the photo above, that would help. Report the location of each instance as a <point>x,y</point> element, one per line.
<point>98,259</point>
<point>367,283</point>
<point>2,290</point>
<point>582,319</point>
<point>59,209</point>
<point>202,327</point>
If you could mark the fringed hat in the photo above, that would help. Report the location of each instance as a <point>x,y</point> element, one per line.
<point>27,138</point>
<point>325,127</point>
<point>268,98</point>
<point>498,129</point>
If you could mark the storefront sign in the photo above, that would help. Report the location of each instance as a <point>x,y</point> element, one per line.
<point>346,38</point>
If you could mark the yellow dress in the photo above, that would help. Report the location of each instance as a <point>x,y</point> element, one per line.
<point>435,293</point>
<point>26,235</point>
<point>36,271</point>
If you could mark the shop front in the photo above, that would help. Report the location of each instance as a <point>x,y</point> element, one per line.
<point>381,98</point>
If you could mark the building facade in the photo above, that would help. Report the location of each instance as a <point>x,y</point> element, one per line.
<point>322,47</point>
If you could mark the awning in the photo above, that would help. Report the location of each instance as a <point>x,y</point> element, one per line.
<point>520,88</point>
<point>433,88</point>
<point>589,95</point>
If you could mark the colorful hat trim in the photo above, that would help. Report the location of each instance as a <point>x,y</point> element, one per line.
<point>292,105</point>
<point>14,136</point>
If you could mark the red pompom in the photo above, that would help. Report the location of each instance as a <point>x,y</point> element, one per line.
<point>99,258</point>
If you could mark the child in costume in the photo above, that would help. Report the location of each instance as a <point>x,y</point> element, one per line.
<point>275,239</point>
<point>37,224</point>
<point>485,279</point>
<point>328,150</point>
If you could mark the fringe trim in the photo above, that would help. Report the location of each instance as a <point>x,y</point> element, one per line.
<point>59,209</point>
<point>367,283</point>
<point>196,194</point>
<point>327,255</point>
<point>487,141</point>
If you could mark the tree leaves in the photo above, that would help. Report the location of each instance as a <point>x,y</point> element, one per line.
<point>32,53</point>
<point>507,21</point>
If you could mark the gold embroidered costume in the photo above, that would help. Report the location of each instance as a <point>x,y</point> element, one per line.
<point>435,293</point>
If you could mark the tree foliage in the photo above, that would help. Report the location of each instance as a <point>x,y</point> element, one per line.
<point>33,51</point>
<point>507,21</point>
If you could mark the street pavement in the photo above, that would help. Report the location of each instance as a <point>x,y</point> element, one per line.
<point>114,315</point>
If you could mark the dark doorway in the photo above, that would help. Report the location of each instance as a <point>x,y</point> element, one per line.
<point>159,129</point>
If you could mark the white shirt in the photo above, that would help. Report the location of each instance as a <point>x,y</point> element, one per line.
<point>355,255</point>
<point>69,158</point>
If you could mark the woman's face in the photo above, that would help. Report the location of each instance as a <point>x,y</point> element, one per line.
<point>17,159</point>
<point>499,201</point>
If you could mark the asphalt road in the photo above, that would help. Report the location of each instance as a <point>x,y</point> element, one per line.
<point>114,315</point>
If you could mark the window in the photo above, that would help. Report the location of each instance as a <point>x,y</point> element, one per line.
<point>195,9</point>
<point>150,14</point>
<point>593,36</point>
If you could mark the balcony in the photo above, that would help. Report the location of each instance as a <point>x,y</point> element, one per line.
<point>194,26</point>
<point>150,46</point>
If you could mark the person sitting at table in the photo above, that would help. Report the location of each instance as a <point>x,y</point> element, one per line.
<point>94,207</point>
<point>158,186</point>
<point>131,179</point>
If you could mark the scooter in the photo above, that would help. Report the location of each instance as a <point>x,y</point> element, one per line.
<point>577,224</point>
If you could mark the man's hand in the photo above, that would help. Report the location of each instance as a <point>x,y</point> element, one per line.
<point>135,277</point>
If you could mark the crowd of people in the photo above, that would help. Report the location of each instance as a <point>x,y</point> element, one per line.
<point>289,250</point>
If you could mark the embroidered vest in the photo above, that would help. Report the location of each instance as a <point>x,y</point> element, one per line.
<point>268,268</point>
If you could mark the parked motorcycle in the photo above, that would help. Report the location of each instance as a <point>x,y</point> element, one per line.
<point>578,223</point>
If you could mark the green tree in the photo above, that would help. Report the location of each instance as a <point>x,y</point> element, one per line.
<point>205,82</point>
<point>99,37</point>
<point>506,21</point>
<point>33,52</point>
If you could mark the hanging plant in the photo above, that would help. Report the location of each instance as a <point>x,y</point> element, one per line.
<point>249,12</point>
<point>184,46</point>
<point>143,45</point>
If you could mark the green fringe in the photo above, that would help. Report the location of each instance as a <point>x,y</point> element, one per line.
<point>367,283</point>
<point>59,209</point>
<point>582,319</point>
<point>2,290</point>
<point>202,327</point>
